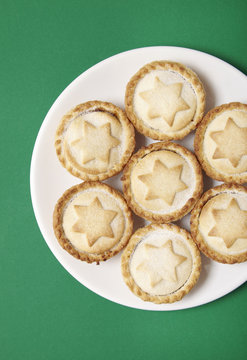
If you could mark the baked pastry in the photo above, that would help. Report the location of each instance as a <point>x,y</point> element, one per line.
<point>165,100</point>
<point>92,221</point>
<point>162,182</point>
<point>94,140</point>
<point>221,143</point>
<point>161,263</point>
<point>219,223</point>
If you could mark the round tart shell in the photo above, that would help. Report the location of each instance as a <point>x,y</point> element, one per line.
<point>177,214</point>
<point>58,222</point>
<point>194,224</point>
<point>199,141</point>
<point>189,75</point>
<point>178,294</point>
<point>96,105</point>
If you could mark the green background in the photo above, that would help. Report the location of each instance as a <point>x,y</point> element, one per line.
<point>44,312</point>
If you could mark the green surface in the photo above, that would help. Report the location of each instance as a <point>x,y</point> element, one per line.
<point>44,312</point>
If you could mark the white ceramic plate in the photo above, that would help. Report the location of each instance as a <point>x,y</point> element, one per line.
<point>106,81</point>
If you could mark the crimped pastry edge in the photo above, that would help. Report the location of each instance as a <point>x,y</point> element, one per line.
<point>199,139</point>
<point>148,215</point>
<point>127,128</point>
<point>186,73</point>
<point>160,299</point>
<point>58,220</point>
<point>194,224</point>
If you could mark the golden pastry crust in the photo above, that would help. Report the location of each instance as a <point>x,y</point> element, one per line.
<point>231,189</point>
<point>58,220</point>
<point>127,255</point>
<point>187,205</point>
<point>126,141</point>
<point>233,176</point>
<point>185,73</point>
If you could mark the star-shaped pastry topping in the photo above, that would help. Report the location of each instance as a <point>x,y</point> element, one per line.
<point>231,142</point>
<point>161,263</point>
<point>163,183</point>
<point>94,221</point>
<point>96,143</point>
<point>231,223</point>
<point>164,100</point>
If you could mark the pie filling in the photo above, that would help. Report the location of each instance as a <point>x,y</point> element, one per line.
<point>223,223</point>
<point>164,100</point>
<point>161,263</point>
<point>94,221</point>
